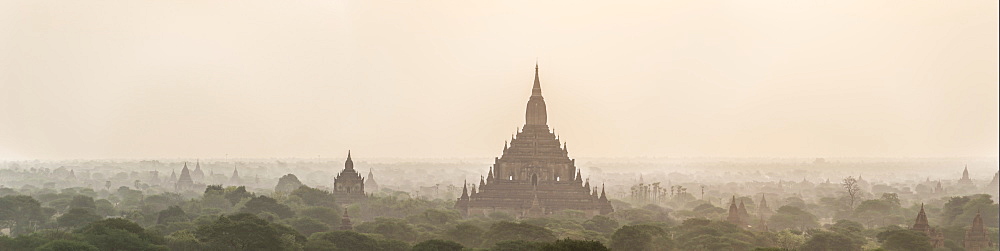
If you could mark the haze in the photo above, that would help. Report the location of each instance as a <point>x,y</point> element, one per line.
<point>149,79</point>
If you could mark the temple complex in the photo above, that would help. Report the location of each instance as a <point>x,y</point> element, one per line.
<point>349,186</point>
<point>936,237</point>
<point>534,175</point>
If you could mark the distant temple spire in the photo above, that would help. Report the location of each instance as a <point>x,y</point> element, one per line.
<point>734,213</point>
<point>184,182</point>
<point>762,209</point>
<point>965,177</point>
<point>235,179</point>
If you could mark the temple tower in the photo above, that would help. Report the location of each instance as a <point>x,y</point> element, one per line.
<point>936,237</point>
<point>370,182</point>
<point>198,175</point>
<point>349,186</point>
<point>235,178</point>
<point>534,174</point>
<point>977,238</point>
<point>965,177</point>
<point>734,214</point>
<point>345,222</point>
<point>184,183</point>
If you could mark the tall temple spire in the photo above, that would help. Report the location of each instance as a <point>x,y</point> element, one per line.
<point>921,222</point>
<point>349,164</point>
<point>535,114</point>
<point>465,191</point>
<point>536,89</point>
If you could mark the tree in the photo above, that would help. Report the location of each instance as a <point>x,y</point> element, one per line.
<point>85,202</point>
<point>315,197</point>
<point>391,228</point>
<point>789,217</point>
<point>267,204</point>
<point>21,210</point>
<point>438,245</point>
<point>601,223</point>
<point>236,194</point>
<point>853,189</point>
<point>905,240</point>
<point>435,217</point>
<point>287,184</point>
<point>119,234</point>
<point>959,211</point>
<point>171,214</point>
<point>830,241</point>
<point>77,217</point>
<point>67,245</point>
<point>518,245</point>
<point>386,244</point>
<point>508,231</point>
<point>345,240</point>
<point>467,234</point>
<point>307,226</point>
<point>327,215</point>
<point>574,245</point>
<point>240,232</point>
<point>637,237</point>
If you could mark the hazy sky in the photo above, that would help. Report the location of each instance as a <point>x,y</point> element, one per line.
<point>166,79</point>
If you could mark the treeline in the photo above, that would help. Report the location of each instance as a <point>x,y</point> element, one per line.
<point>303,218</point>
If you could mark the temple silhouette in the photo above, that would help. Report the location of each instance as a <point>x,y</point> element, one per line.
<point>534,176</point>
<point>349,186</point>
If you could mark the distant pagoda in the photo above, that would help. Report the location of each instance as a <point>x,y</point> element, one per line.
<point>534,176</point>
<point>235,179</point>
<point>349,186</point>
<point>734,214</point>
<point>184,183</point>
<point>198,175</point>
<point>965,177</point>
<point>370,182</point>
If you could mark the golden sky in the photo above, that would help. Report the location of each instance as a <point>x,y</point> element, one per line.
<point>186,79</point>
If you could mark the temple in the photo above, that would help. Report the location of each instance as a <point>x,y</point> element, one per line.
<point>977,238</point>
<point>198,175</point>
<point>235,178</point>
<point>534,175</point>
<point>370,182</point>
<point>734,214</point>
<point>936,237</point>
<point>965,177</point>
<point>184,183</point>
<point>349,186</point>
